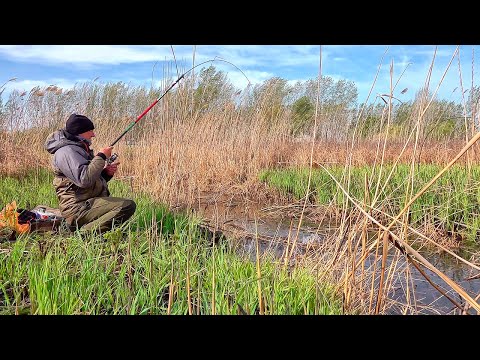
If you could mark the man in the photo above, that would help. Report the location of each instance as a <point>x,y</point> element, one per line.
<point>81,178</point>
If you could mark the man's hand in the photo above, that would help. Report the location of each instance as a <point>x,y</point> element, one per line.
<point>107,151</point>
<point>112,168</point>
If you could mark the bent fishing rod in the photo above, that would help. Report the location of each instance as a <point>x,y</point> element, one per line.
<point>133,123</point>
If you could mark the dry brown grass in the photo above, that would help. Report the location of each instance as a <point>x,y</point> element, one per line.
<point>433,152</point>
<point>210,156</point>
<point>16,160</point>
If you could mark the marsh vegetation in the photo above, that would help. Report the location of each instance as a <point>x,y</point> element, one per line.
<point>391,180</point>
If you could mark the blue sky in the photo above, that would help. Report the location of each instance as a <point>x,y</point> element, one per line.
<point>139,65</point>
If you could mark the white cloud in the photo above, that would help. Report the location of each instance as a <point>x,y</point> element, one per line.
<point>240,55</point>
<point>264,55</point>
<point>85,54</point>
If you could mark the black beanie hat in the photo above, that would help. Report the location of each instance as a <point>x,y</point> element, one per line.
<point>78,124</point>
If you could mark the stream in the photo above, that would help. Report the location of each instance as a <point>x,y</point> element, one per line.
<point>272,235</point>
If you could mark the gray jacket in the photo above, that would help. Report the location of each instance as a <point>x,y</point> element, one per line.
<point>79,174</point>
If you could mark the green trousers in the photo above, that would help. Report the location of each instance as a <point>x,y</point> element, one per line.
<point>102,213</point>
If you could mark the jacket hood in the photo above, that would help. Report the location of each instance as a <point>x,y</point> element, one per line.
<point>59,139</point>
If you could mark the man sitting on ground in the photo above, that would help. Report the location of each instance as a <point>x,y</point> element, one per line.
<point>81,178</point>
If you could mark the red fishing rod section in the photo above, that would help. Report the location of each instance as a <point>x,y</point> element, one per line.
<point>133,123</point>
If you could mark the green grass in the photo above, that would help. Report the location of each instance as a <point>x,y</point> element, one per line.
<point>35,188</point>
<point>52,274</point>
<point>454,198</point>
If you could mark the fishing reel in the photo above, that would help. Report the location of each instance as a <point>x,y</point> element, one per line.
<point>112,158</point>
